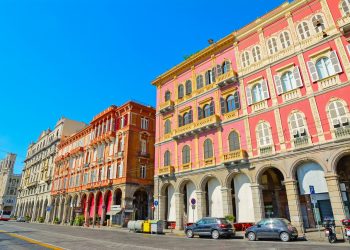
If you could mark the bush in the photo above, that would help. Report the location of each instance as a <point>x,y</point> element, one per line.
<point>56,221</point>
<point>28,218</point>
<point>79,220</point>
<point>230,218</point>
<point>41,219</point>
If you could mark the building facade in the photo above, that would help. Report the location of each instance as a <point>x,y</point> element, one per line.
<point>9,183</point>
<point>109,163</point>
<point>257,124</point>
<point>34,196</point>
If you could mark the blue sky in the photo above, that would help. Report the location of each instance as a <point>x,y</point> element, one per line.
<point>74,58</point>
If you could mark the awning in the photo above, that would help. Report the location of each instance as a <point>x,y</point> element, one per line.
<point>114,212</point>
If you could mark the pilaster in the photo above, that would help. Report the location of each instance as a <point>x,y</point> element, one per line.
<point>317,119</point>
<point>201,204</point>
<point>227,201</point>
<point>257,202</point>
<point>294,205</point>
<point>336,197</point>
<point>179,201</point>
<point>280,129</point>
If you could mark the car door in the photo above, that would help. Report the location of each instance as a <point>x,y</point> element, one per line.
<point>199,228</point>
<point>264,228</point>
<point>209,224</point>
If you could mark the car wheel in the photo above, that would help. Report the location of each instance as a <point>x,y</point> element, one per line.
<point>332,239</point>
<point>251,236</point>
<point>189,233</point>
<point>215,234</point>
<point>285,237</point>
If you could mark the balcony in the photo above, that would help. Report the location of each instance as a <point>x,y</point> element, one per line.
<point>301,141</point>
<point>197,127</point>
<point>226,79</point>
<point>231,115</point>
<point>344,24</point>
<point>208,162</point>
<point>266,150</point>
<point>104,138</point>
<point>166,170</point>
<point>342,132</point>
<point>143,154</point>
<point>259,106</point>
<point>166,106</point>
<point>291,95</point>
<point>32,184</point>
<point>120,154</point>
<point>186,167</point>
<point>76,150</point>
<point>236,156</point>
<point>328,82</point>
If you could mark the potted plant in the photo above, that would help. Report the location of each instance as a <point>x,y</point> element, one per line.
<point>230,218</point>
<point>41,219</point>
<point>28,218</point>
<point>79,220</point>
<point>56,221</point>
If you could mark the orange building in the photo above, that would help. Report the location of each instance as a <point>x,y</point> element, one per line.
<point>105,171</point>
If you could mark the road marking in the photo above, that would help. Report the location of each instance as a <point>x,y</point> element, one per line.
<point>21,237</point>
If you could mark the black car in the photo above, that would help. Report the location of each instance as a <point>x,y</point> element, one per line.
<point>210,226</point>
<point>273,228</point>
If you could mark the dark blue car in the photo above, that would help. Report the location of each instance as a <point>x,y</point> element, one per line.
<point>273,228</point>
<point>210,226</point>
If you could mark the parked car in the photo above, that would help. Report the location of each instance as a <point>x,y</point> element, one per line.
<point>274,228</point>
<point>21,219</point>
<point>210,226</point>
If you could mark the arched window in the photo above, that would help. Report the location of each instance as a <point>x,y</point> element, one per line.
<point>257,92</point>
<point>245,59</point>
<point>272,44</point>
<point>297,125</point>
<point>324,67</point>
<point>285,39</point>
<point>188,87</point>
<point>226,67</point>
<point>345,5</point>
<point>167,158</point>
<point>208,149</point>
<point>186,118</point>
<point>186,156</point>
<point>233,140</point>
<point>167,95</point>
<point>232,102</point>
<point>209,77</point>
<point>199,81</point>
<point>167,127</point>
<point>256,54</point>
<point>318,23</point>
<point>338,114</point>
<point>264,134</point>
<point>206,110</point>
<point>304,31</point>
<point>180,91</point>
<point>288,81</point>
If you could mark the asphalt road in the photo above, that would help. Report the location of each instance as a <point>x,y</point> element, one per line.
<point>15,235</point>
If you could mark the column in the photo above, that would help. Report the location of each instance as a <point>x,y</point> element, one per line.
<point>160,209</point>
<point>64,215</point>
<point>258,202</point>
<point>179,203</point>
<point>196,151</point>
<point>227,201</point>
<point>294,205</point>
<point>280,131</point>
<point>201,204</point>
<point>336,198</point>
<point>103,215</point>
<point>87,211</point>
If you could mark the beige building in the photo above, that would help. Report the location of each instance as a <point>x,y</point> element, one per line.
<point>34,192</point>
<point>9,183</point>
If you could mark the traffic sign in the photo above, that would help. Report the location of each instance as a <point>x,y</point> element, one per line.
<point>312,189</point>
<point>48,209</point>
<point>156,203</point>
<point>193,201</point>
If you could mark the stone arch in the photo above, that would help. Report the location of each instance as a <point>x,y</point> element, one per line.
<point>141,203</point>
<point>206,178</point>
<point>336,157</point>
<point>262,170</point>
<point>298,162</point>
<point>180,186</point>
<point>187,188</point>
<point>165,186</point>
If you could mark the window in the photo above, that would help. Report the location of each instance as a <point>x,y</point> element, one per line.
<point>272,44</point>
<point>144,123</point>
<point>345,5</point>
<point>209,77</point>
<point>186,157</point>
<point>122,122</point>
<point>199,82</point>
<point>167,95</point>
<point>264,134</point>
<point>338,114</point>
<point>231,103</point>
<point>304,31</point>
<point>297,125</point>
<point>143,172</point>
<point>245,59</point>
<point>188,87</point>
<point>187,118</point>
<point>285,39</point>
<point>226,67</point>
<point>180,91</point>
<point>167,158</point>
<point>324,68</point>
<point>257,93</point>
<point>208,110</point>
<point>256,54</point>
<point>167,127</point>
<point>318,23</point>
<point>120,170</point>
<point>208,149</point>
<point>233,140</point>
<point>143,146</point>
<point>288,81</point>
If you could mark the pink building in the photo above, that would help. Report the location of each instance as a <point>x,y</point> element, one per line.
<point>257,124</point>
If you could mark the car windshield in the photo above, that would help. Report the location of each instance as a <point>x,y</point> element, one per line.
<point>6,212</point>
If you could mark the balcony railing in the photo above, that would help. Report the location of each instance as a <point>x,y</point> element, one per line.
<point>143,154</point>
<point>236,156</point>
<point>186,167</point>
<point>259,105</point>
<point>342,132</point>
<point>208,162</point>
<point>197,127</point>
<point>266,150</point>
<point>344,24</point>
<point>166,106</point>
<point>76,150</point>
<point>226,78</point>
<point>301,141</point>
<point>328,82</point>
<point>166,170</point>
<point>231,115</point>
<point>120,154</point>
<point>290,95</point>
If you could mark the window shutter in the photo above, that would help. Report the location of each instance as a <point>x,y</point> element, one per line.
<point>180,121</point>
<point>249,95</point>
<point>190,116</point>
<point>265,89</point>
<point>212,110</point>
<point>278,84</point>
<point>218,70</point>
<point>213,74</point>
<point>312,71</point>
<point>207,81</point>
<point>223,105</point>
<point>236,99</point>
<point>335,62</point>
<point>200,113</point>
<point>297,77</point>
